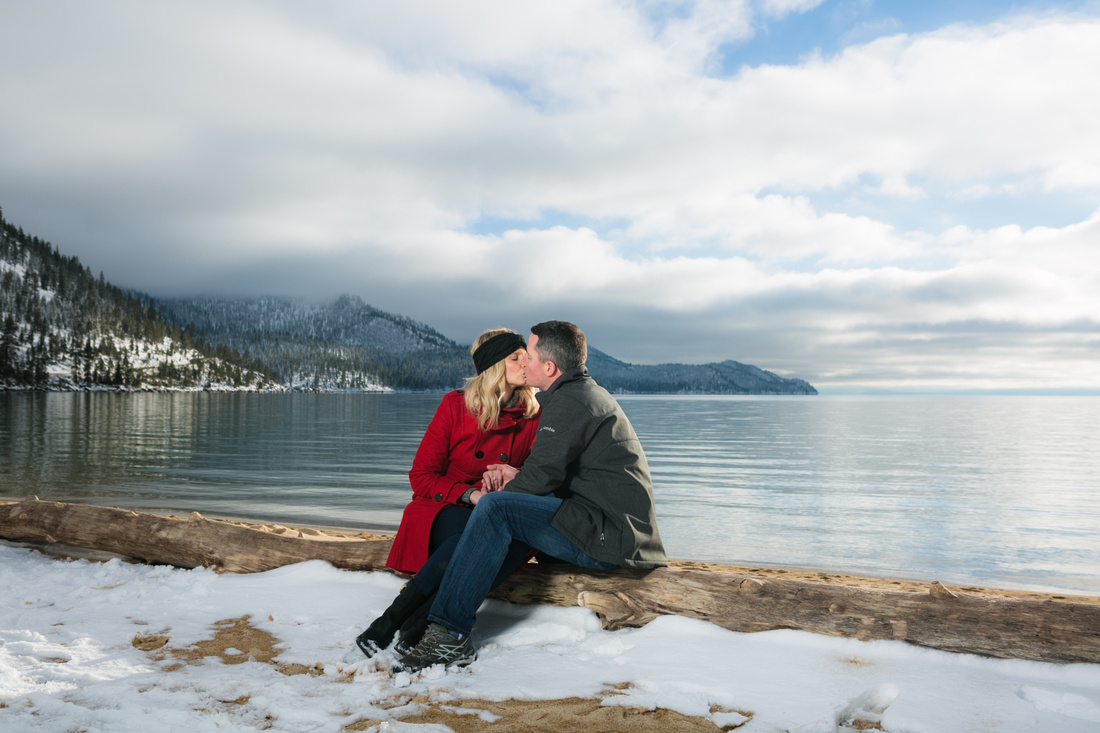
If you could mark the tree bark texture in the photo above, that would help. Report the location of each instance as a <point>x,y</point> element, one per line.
<point>1041,628</point>
<point>188,543</point>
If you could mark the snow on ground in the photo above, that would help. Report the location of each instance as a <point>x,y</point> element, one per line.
<point>69,660</point>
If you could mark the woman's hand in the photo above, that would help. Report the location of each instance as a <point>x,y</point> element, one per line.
<point>497,476</point>
<point>476,494</point>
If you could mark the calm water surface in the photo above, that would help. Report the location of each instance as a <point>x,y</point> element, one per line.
<point>996,491</point>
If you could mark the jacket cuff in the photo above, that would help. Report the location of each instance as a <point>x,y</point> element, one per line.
<point>449,495</point>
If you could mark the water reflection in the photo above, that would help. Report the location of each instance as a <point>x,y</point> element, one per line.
<point>997,491</point>
<point>991,491</point>
<point>327,459</point>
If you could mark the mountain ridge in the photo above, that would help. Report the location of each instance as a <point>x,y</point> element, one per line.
<point>342,344</point>
<point>63,329</point>
<point>249,325</point>
<point>725,377</point>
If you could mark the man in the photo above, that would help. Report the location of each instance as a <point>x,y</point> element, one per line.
<point>584,495</point>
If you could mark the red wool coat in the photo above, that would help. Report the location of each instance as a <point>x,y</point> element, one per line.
<point>452,457</point>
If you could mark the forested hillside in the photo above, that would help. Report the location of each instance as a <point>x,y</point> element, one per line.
<point>345,344</point>
<point>63,328</point>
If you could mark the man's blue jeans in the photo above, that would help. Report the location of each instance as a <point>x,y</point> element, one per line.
<point>446,532</point>
<point>497,519</point>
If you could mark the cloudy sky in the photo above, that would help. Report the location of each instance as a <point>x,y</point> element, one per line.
<point>872,195</point>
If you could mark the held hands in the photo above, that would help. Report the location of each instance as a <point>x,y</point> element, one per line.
<point>497,476</point>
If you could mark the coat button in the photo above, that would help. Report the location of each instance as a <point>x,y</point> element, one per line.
<point>478,454</point>
<point>503,457</point>
<point>438,497</point>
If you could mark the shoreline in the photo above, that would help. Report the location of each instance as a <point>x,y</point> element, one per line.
<point>782,573</point>
<point>97,645</point>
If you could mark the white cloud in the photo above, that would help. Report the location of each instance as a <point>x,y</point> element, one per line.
<point>781,8</point>
<point>691,39</point>
<point>345,146</point>
<point>960,105</point>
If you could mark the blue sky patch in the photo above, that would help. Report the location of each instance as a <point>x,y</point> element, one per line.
<point>836,24</point>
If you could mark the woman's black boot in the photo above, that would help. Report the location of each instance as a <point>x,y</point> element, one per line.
<point>380,633</point>
<point>414,627</point>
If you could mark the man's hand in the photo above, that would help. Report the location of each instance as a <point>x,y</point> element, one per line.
<point>497,476</point>
<point>476,494</point>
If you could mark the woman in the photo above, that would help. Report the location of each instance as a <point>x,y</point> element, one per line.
<point>493,420</point>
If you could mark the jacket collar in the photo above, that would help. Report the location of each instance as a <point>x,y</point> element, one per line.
<point>509,416</point>
<point>576,374</point>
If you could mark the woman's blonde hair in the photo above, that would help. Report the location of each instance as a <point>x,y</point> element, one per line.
<point>484,392</point>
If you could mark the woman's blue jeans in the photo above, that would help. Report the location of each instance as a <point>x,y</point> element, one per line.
<point>497,520</point>
<point>446,531</point>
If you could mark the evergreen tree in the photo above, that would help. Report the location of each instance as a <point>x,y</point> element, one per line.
<point>8,343</point>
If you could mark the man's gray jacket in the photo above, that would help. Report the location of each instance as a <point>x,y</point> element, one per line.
<point>587,454</point>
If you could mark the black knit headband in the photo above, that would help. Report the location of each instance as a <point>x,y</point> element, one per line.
<point>497,348</point>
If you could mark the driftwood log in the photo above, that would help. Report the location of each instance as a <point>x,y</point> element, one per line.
<point>1019,625</point>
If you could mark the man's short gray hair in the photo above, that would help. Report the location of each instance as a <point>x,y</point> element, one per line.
<point>562,343</point>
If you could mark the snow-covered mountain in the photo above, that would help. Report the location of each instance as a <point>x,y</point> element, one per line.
<point>62,328</point>
<point>315,345</point>
<point>344,344</point>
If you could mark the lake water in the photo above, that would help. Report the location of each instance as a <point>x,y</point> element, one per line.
<point>993,491</point>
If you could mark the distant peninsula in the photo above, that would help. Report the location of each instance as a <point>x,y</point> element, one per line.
<point>726,377</point>
<point>61,328</point>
